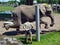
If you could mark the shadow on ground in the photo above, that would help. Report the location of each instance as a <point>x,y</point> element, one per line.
<point>13,33</point>
<point>10,33</point>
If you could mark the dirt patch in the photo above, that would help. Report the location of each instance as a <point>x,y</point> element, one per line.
<point>46,19</point>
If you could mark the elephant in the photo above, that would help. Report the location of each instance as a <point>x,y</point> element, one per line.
<point>24,13</point>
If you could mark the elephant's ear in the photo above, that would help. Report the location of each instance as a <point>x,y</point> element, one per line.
<point>48,7</point>
<point>42,9</point>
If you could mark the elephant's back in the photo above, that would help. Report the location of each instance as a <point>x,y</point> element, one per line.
<point>16,9</point>
<point>29,11</point>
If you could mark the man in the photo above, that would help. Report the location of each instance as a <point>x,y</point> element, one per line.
<point>28,27</point>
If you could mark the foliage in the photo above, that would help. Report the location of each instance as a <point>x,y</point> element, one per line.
<point>39,1</point>
<point>23,1</point>
<point>49,1</point>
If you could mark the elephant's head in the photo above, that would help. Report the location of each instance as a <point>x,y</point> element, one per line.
<point>46,9</point>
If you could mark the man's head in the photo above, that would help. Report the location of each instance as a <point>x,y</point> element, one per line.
<point>46,9</point>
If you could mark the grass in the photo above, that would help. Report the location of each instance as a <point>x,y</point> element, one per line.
<point>52,38</point>
<point>6,8</point>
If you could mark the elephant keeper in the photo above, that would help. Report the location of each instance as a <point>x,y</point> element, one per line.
<point>28,34</point>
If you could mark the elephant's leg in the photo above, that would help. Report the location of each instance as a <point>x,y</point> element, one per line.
<point>52,20</point>
<point>8,25</point>
<point>18,26</point>
<point>17,21</point>
<point>15,26</point>
<point>42,22</point>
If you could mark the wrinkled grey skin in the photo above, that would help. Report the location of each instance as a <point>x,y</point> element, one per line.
<point>24,13</point>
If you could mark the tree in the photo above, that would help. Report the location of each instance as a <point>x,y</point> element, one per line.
<point>29,2</point>
<point>14,2</point>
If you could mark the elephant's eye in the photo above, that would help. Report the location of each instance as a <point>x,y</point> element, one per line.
<point>46,7</point>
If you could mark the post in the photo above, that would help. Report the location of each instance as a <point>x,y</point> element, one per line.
<point>37,21</point>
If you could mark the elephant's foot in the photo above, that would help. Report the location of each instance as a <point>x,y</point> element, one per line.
<point>46,27</point>
<point>18,32</point>
<point>51,25</point>
<point>6,27</point>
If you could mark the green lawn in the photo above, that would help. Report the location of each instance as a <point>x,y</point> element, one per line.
<point>6,8</point>
<point>52,38</point>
